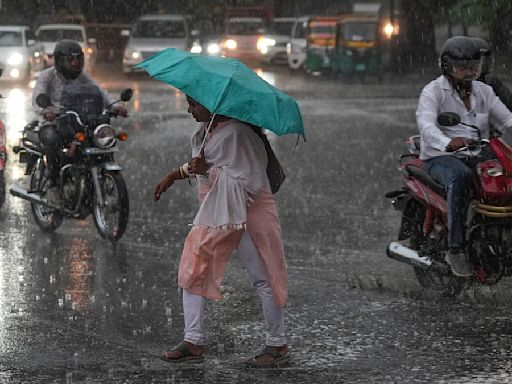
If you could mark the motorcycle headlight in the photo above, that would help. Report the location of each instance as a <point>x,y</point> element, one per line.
<point>15,58</point>
<point>104,136</point>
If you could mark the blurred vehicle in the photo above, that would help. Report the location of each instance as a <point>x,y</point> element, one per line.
<point>296,48</point>
<point>273,44</point>
<point>321,38</point>
<point>19,53</point>
<point>153,33</point>
<point>205,39</point>
<point>3,156</point>
<point>50,34</point>
<point>358,48</point>
<point>240,41</point>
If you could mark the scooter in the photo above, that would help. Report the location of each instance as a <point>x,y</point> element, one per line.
<point>422,238</point>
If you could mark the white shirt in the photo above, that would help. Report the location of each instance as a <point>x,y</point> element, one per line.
<point>439,96</point>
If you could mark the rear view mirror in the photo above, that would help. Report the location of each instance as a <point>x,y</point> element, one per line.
<point>126,94</point>
<point>448,119</point>
<point>43,100</point>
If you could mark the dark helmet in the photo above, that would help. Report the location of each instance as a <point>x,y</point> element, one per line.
<point>69,58</point>
<point>485,51</point>
<point>455,49</point>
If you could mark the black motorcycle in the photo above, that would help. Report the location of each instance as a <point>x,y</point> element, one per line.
<point>90,181</point>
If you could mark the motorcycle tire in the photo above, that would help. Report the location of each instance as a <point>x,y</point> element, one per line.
<point>2,189</point>
<point>47,219</point>
<point>430,279</point>
<point>116,206</point>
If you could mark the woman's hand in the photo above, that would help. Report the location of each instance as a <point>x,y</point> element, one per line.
<point>162,186</point>
<point>198,165</point>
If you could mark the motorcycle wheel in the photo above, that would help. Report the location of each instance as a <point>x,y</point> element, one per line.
<point>2,188</point>
<point>47,219</point>
<point>111,219</point>
<point>445,285</point>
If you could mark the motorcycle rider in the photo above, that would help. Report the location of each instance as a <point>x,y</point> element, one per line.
<point>476,103</point>
<point>64,83</point>
<point>489,78</point>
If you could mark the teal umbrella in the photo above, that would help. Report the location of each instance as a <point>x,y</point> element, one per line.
<point>227,87</point>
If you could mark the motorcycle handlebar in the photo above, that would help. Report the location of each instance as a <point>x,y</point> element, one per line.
<point>470,144</point>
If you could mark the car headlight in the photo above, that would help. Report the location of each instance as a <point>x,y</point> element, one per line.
<point>196,48</point>
<point>104,136</point>
<point>230,44</point>
<point>15,58</point>
<point>213,49</point>
<point>132,54</point>
<point>263,44</point>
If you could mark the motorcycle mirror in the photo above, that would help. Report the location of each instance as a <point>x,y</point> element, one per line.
<point>448,119</point>
<point>126,94</point>
<point>43,100</point>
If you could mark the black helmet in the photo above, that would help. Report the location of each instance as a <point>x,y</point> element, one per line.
<point>485,51</point>
<point>69,58</point>
<point>458,48</point>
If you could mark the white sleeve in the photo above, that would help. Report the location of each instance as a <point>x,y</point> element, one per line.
<point>426,117</point>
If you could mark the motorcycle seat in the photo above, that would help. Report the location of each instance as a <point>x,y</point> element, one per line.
<point>423,176</point>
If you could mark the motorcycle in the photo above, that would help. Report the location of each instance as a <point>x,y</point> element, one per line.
<point>90,181</point>
<point>422,238</point>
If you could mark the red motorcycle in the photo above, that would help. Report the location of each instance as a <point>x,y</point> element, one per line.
<point>422,238</point>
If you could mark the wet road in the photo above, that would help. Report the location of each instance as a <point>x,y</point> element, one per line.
<point>75,309</point>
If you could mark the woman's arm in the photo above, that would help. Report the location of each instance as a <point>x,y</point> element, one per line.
<point>169,180</point>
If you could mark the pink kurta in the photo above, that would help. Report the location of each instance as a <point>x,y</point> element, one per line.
<point>206,250</point>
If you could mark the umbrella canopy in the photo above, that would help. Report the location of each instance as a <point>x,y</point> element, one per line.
<point>227,87</point>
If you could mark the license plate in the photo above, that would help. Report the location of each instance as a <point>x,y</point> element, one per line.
<point>360,67</point>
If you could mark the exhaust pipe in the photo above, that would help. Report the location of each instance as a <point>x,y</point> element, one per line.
<point>404,254</point>
<point>17,191</point>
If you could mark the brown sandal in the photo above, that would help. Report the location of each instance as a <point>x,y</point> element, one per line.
<point>185,352</point>
<point>270,357</point>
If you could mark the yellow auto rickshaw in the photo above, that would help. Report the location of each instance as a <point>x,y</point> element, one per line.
<point>320,38</point>
<point>357,49</point>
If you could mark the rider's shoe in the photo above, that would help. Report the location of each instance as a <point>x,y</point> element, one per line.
<point>459,263</point>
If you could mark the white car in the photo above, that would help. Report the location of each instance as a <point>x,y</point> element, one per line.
<point>242,39</point>
<point>296,48</point>
<point>50,34</point>
<point>153,33</point>
<point>273,44</point>
<point>19,53</point>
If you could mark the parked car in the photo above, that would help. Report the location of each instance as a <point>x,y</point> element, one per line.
<point>296,49</point>
<point>153,33</point>
<point>50,34</point>
<point>240,41</point>
<point>273,44</point>
<point>19,53</point>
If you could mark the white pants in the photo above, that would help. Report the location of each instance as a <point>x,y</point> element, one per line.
<point>194,305</point>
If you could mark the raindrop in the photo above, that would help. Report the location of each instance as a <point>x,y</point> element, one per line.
<point>61,303</point>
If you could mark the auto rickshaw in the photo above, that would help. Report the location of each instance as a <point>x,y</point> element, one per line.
<point>320,37</point>
<point>357,49</point>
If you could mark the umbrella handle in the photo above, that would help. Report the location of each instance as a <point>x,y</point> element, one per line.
<point>208,129</point>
